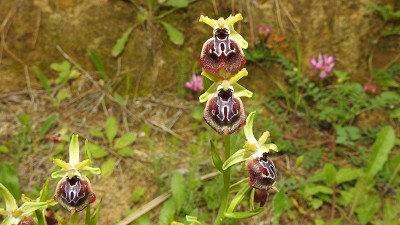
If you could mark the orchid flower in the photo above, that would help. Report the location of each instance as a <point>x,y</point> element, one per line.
<point>224,49</point>
<point>261,170</point>
<point>74,191</point>
<point>17,215</point>
<point>224,110</point>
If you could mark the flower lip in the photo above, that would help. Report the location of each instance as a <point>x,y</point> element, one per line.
<point>73,190</point>
<point>224,111</point>
<point>218,54</point>
<point>262,172</point>
<point>74,193</point>
<point>268,169</point>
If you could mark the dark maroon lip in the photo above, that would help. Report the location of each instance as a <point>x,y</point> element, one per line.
<point>221,54</point>
<point>74,193</point>
<point>224,112</point>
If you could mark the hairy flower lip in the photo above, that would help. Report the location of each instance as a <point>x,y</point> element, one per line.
<point>224,111</point>
<point>262,172</point>
<point>74,194</point>
<point>214,57</point>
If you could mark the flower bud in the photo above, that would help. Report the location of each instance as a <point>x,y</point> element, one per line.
<point>74,193</point>
<point>224,112</point>
<point>221,52</point>
<point>370,87</point>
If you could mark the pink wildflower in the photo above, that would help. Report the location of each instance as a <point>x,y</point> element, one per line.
<point>324,65</point>
<point>196,84</point>
<point>370,87</point>
<point>264,31</point>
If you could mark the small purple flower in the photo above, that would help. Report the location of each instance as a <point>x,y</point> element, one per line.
<point>196,84</point>
<point>324,65</point>
<point>264,31</point>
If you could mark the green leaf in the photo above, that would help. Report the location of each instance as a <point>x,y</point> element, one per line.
<point>178,3</point>
<point>361,190</point>
<point>88,155</point>
<point>365,212</point>
<point>175,36</point>
<point>316,203</point>
<point>29,207</point>
<point>244,215</point>
<point>111,129</point>
<point>64,70</point>
<point>95,216</point>
<point>44,193</point>
<point>61,67</point>
<point>119,99</point>
<point>380,151</point>
<point>11,203</point>
<point>313,190</point>
<point>126,152</point>
<point>215,157</point>
<point>107,167</point>
<point>125,140</point>
<point>193,220</point>
<point>236,186</point>
<point>96,151</point>
<point>346,197</point>
<point>96,133</point>
<point>137,194</point>
<point>87,215</point>
<point>167,212</point>
<point>47,124</point>
<point>121,42</point>
<point>63,94</point>
<point>329,174</point>
<point>238,197</point>
<point>237,157</point>
<point>42,78</point>
<point>281,203</point>
<point>395,114</point>
<point>178,189</point>
<point>99,65</point>
<point>347,134</point>
<point>4,149</point>
<point>347,174</point>
<point>391,212</point>
<point>341,76</point>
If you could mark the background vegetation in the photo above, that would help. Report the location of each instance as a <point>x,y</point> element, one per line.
<point>114,72</point>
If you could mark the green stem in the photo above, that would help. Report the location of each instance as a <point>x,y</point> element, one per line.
<point>74,219</point>
<point>227,177</point>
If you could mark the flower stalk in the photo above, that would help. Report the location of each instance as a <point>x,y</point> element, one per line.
<point>221,60</point>
<point>227,180</point>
